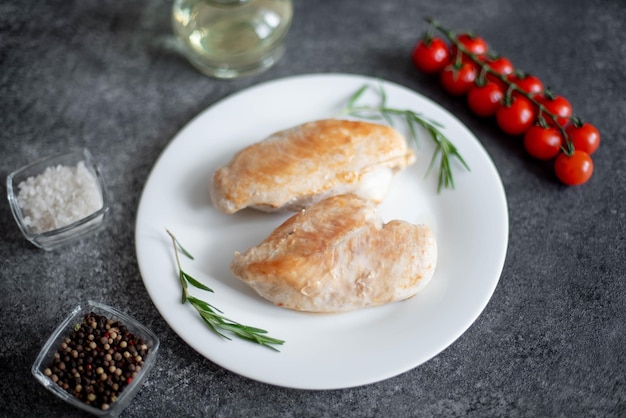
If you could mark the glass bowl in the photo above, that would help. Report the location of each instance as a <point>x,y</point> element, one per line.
<point>58,186</point>
<point>43,370</point>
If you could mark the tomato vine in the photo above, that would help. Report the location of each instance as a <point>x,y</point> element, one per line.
<point>519,102</point>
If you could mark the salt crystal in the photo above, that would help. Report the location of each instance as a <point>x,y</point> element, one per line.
<point>58,197</point>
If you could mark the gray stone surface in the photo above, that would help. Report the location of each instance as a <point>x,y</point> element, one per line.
<point>104,74</point>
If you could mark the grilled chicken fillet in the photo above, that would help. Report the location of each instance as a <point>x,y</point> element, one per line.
<point>297,167</point>
<point>338,255</point>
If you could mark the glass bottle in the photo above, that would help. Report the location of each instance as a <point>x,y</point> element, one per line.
<point>232,38</point>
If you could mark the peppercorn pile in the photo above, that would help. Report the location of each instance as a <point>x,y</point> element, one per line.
<point>97,361</point>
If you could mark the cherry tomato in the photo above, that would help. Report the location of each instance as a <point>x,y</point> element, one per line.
<point>430,55</point>
<point>584,136</point>
<point>515,118</point>
<point>457,81</point>
<point>473,44</point>
<point>558,106</point>
<point>500,65</point>
<point>485,100</point>
<point>529,83</point>
<point>543,143</point>
<point>575,169</point>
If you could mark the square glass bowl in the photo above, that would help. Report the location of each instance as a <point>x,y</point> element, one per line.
<point>63,331</point>
<point>51,239</point>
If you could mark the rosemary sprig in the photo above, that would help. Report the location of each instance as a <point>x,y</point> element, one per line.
<point>211,315</point>
<point>445,150</point>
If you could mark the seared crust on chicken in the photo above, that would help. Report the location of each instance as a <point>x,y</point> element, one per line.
<point>296,167</point>
<point>338,256</point>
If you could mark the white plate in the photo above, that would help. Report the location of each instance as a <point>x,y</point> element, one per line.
<point>322,351</point>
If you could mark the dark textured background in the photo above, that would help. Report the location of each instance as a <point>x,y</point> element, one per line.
<point>104,74</point>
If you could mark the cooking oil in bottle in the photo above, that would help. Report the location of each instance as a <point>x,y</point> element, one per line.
<point>232,38</point>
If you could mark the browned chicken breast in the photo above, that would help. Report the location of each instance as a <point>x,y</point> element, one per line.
<point>297,167</point>
<point>336,256</point>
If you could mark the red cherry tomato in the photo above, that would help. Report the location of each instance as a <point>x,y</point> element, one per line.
<point>430,55</point>
<point>558,106</point>
<point>584,136</point>
<point>516,117</point>
<point>501,65</point>
<point>484,100</point>
<point>457,81</point>
<point>529,83</point>
<point>575,169</point>
<point>543,143</point>
<point>473,44</point>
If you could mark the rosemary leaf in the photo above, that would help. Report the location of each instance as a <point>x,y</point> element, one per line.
<point>387,117</point>
<point>211,323</point>
<point>196,283</point>
<point>366,116</point>
<point>435,123</point>
<point>383,96</point>
<point>183,283</point>
<point>180,247</point>
<point>203,306</point>
<point>433,159</point>
<point>410,120</point>
<point>356,96</point>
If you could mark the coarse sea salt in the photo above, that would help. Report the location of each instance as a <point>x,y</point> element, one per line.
<point>58,197</point>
